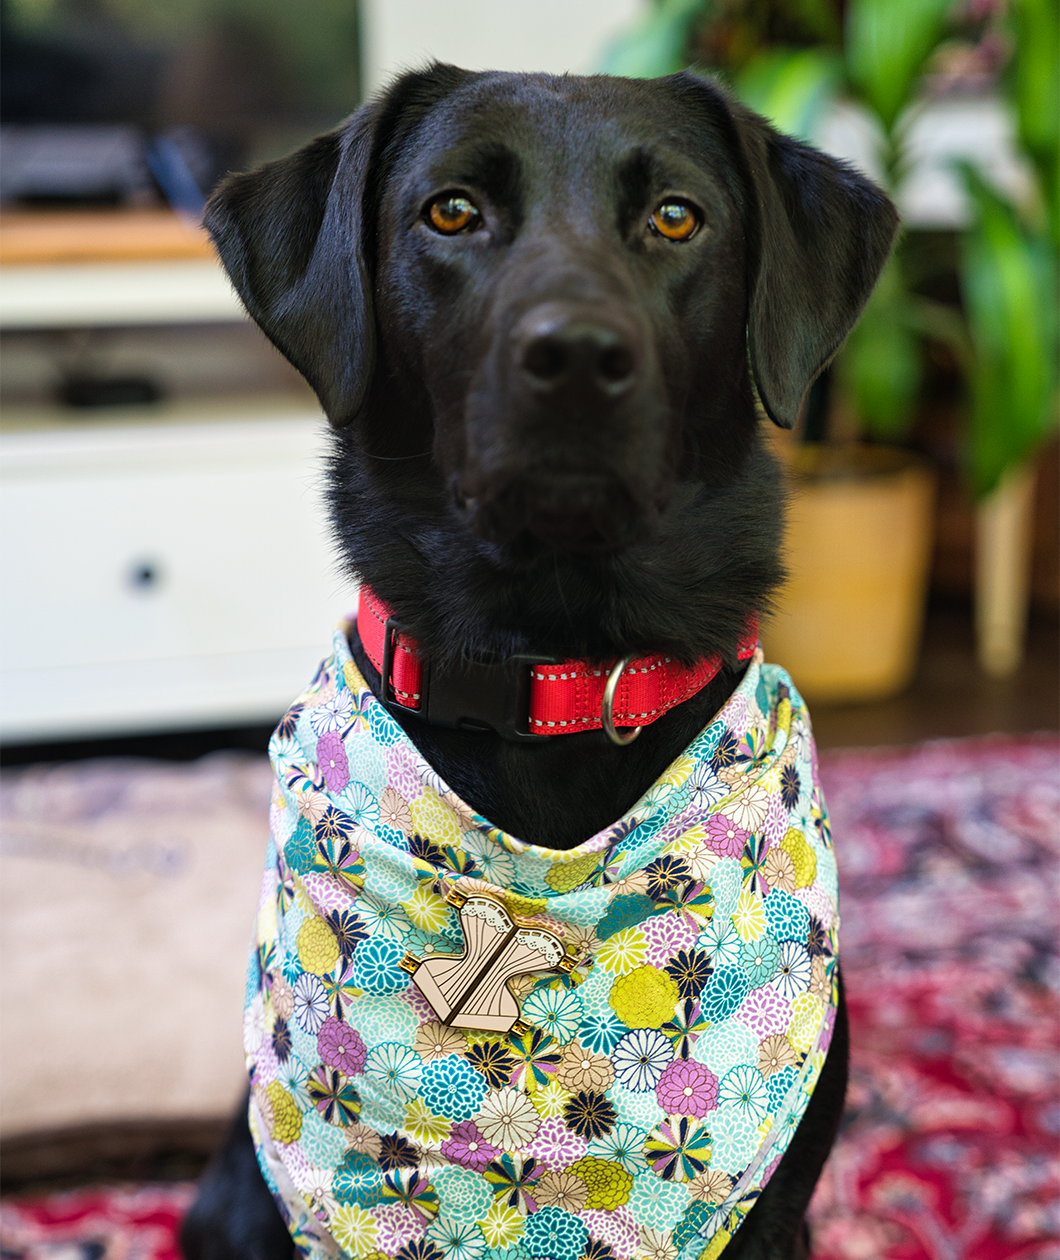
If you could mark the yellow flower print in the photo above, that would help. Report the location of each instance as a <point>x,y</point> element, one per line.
<point>645,998</point>
<point>267,921</point>
<point>423,1126</point>
<point>608,1183</point>
<point>525,907</point>
<point>563,876</point>
<point>318,950</point>
<point>286,1118</point>
<point>749,917</point>
<point>805,860</point>
<point>550,1100</point>
<point>807,1013</point>
<point>426,909</point>
<point>816,1064</point>
<point>689,840</point>
<point>501,1225</point>
<point>432,820</point>
<point>354,1228</point>
<point>678,772</point>
<point>623,951</point>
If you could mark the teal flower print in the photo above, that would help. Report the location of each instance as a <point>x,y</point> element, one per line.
<point>786,917</point>
<point>778,1085</point>
<point>458,1240</point>
<point>301,848</point>
<point>358,1179</point>
<point>555,1234</point>
<point>601,1032</point>
<point>556,1011</point>
<point>623,1145</point>
<point>395,1069</point>
<point>624,911</point>
<point>743,1088</point>
<point>725,990</point>
<point>760,960</point>
<point>452,1088</point>
<point>360,804</point>
<point>376,967</point>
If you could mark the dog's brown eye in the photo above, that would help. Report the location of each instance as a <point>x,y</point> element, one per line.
<point>450,215</point>
<point>676,220</point>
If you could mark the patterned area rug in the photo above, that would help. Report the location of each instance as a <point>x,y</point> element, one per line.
<point>948,859</point>
<point>101,1223</point>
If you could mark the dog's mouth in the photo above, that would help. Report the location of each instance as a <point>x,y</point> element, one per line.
<point>590,513</point>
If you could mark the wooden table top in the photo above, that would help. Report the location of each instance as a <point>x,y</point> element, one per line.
<point>39,237</point>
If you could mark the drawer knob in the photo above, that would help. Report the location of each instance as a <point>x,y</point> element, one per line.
<point>144,575</point>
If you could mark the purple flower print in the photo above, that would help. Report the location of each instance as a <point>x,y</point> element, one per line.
<point>725,837</point>
<point>341,1046</point>
<point>465,1145</point>
<point>333,762</point>
<point>687,1088</point>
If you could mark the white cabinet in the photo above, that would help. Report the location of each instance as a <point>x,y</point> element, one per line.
<point>176,573</point>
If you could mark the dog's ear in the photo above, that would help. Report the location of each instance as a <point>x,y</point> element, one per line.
<point>818,234</point>
<point>823,234</point>
<point>292,237</point>
<point>289,236</point>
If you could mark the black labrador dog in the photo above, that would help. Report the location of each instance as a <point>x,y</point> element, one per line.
<point>540,314</point>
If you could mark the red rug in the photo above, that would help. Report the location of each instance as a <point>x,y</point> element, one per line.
<point>101,1223</point>
<point>948,856</point>
<point>948,861</point>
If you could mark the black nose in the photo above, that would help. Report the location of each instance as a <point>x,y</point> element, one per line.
<point>561,352</point>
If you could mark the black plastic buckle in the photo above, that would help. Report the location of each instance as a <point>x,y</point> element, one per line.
<point>473,695</point>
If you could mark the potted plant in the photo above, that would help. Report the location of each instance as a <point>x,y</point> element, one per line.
<point>860,527</point>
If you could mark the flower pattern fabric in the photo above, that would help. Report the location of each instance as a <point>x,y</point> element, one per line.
<point>643,1100</point>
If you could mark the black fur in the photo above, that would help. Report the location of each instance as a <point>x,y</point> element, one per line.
<point>620,502</point>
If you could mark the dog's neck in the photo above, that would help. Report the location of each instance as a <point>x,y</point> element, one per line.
<point>688,593</point>
<point>560,791</point>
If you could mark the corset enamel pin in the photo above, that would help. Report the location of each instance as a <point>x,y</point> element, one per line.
<point>470,990</point>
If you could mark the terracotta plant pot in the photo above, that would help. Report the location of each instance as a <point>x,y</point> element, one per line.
<point>849,619</point>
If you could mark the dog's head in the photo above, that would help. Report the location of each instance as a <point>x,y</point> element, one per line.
<point>556,286</point>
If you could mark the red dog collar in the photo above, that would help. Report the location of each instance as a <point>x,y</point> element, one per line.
<point>529,696</point>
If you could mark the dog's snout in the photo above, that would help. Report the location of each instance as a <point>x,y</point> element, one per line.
<point>576,352</point>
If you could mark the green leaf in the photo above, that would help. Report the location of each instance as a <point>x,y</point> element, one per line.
<point>791,87</point>
<point>656,43</point>
<point>880,367</point>
<point>1035,84</point>
<point>1008,280</point>
<point>887,43</point>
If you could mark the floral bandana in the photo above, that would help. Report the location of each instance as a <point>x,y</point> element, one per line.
<point>465,1047</point>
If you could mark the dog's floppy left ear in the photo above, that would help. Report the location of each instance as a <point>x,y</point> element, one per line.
<point>289,235</point>
<point>822,235</point>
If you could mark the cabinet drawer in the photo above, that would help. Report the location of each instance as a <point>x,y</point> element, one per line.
<point>163,576</point>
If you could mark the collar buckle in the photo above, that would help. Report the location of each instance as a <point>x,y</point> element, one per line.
<point>472,695</point>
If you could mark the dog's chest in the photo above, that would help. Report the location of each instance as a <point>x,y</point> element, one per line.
<point>459,1042</point>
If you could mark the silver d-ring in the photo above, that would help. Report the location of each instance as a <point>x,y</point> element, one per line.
<point>607,706</point>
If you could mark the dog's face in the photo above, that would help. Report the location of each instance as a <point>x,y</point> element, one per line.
<point>532,307</point>
<point>562,265</point>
